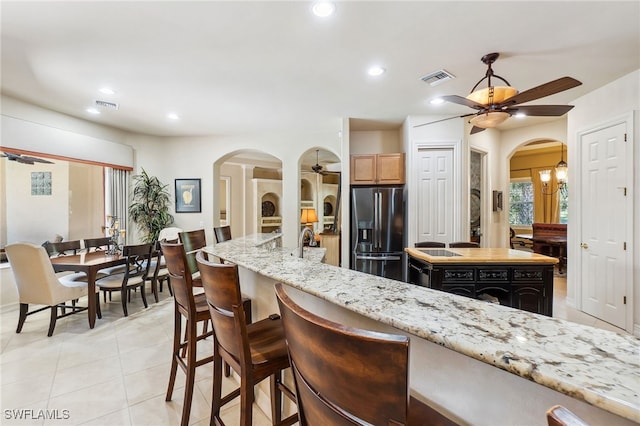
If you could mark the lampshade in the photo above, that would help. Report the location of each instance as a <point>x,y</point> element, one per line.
<point>489,119</point>
<point>545,176</point>
<point>308,216</point>
<point>500,94</point>
<point>561,172</point>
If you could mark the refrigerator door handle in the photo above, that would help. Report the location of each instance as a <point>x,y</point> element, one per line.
<point>359,257</point>
<point>380,221</point>
<point>376,220</point>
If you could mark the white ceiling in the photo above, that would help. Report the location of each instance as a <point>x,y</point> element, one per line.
<point>254,67</point>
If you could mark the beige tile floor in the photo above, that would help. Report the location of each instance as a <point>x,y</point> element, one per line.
<point>117,373</point>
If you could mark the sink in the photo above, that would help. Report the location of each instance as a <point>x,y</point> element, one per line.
<point>439,252</point>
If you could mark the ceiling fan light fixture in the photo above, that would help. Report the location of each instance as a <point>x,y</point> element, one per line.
<point>492,95</point>
<point>489,119</point>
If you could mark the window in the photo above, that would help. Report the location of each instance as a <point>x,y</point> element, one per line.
<point>564,203</point>
<point>521,202</point>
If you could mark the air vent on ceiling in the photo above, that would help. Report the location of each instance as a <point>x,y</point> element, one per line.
<point>105,104</point>
<point>437,77</point>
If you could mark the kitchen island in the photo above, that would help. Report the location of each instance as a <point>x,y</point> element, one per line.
<point>475,362</point>
<point>509,277</point>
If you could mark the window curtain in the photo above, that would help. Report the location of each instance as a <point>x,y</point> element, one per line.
<point>546,208</point>
<point>117,196</point>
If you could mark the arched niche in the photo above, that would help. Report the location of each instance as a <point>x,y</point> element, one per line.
<point>319,183</point>
<point>254,182</point>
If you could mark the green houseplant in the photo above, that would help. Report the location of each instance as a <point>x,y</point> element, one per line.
<point>150,206</point>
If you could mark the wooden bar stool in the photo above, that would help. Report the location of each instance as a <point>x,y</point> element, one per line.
<point>331,390</point>
<point>561,416</point>
<point>194,309</point>
<point>254,351</point>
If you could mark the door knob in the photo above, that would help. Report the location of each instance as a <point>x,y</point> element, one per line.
<point>584,245</point>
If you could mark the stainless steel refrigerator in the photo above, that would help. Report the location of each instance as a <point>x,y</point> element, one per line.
<point>377,231</point>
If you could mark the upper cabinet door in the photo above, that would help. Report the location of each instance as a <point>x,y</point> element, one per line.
<point>377,169</point>
<point>363,169</point>
<point>390,169</point>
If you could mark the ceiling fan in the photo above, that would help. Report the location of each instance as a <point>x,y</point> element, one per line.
<point>494,104</point>
<point>24,159</point>
<point>318,169</point>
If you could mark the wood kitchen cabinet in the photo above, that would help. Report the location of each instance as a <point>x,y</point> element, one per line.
<point>377,169</point>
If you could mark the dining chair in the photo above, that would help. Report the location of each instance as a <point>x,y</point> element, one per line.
<point>222,233</point>
<point>135,274</point>
<point>171,234</point>
<point>330,389</point>
<point>158,272</point>
<point>464,244</point>
<point>254,351</point>
<point>103,244</point>
<point>97,244</point>
<point>62,248</point>
<point>512,235</point>
<point>434,244</point>
<point>38,284</point>
<point>561,416</point>
<point>193,307</point>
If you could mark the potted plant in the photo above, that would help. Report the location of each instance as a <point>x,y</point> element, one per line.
<point>150,206</point>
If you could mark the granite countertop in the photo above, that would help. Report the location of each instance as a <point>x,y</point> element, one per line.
<point>475,255</point>
<point>597,366</point>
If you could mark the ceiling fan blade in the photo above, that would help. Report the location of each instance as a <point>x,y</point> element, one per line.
<point>541,110</point>
<point>547,89</point>
<point>36,159</point>
<point>463,101</point>
<point>476,129</point>
<point>443,119</point>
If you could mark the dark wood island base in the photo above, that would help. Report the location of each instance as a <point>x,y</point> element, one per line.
<point>511,278</point>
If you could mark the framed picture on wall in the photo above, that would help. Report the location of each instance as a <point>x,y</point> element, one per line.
<point>188,196</point>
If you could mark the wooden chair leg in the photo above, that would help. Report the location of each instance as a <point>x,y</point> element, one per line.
<point>176,351</point>
<point>52,321</point>
<point>191,372</point>
<point>144,295</point>
<point>124,293</point>
<point>276,399</point>
<point>246,401</point>
<point>216,399</point>
<point>98,309</point>
<point>24,309</point>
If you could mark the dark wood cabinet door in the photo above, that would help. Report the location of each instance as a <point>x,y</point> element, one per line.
<point>529,298</point>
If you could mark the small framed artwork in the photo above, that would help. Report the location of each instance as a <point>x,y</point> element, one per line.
<point>188,196</point>
<point>40,183</point>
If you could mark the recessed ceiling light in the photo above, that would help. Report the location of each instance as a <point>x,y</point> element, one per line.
<point>173,116</point>
<point>323,9</point>
<point>107,91</point>
<point>376,71</point>
<point>520,115</point>
<point>436,101</point>
<point>93,111</point>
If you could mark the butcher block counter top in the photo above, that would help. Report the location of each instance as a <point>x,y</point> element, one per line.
<point>475,255</point>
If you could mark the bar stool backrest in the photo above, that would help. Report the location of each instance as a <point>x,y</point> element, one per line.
<point>180,276</point>
<point>344,375</point>
<point>192,241</point>
<point>222,233</point>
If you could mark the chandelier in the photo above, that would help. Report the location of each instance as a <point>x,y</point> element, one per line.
<point>561,176</point>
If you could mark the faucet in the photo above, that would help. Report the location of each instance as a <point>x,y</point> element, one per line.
<point>305,231</point>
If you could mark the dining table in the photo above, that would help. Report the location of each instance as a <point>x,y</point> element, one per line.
<point>89,263</point>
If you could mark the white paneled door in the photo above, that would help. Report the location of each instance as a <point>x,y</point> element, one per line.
<point>604,228</point>
<point>435,195</point>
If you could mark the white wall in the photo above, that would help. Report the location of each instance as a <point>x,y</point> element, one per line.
<point>617,99</point>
